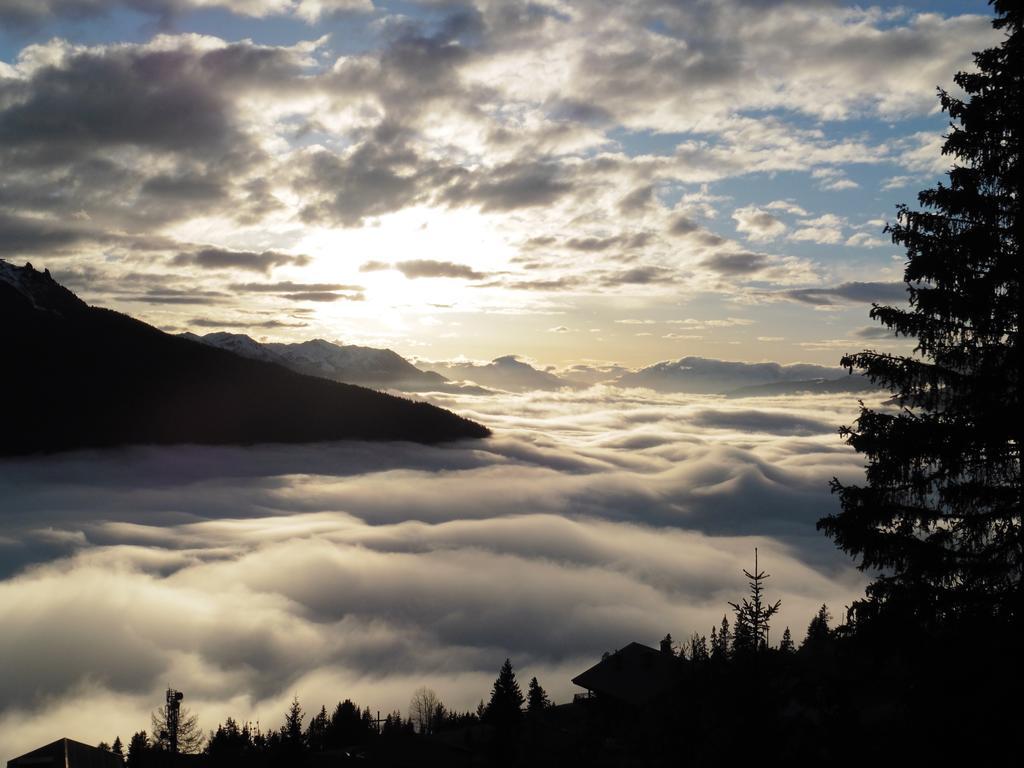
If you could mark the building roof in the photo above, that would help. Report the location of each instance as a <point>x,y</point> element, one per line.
<point>635,674</point>
<point>66,753</point>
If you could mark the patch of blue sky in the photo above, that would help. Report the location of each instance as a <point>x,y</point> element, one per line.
<point>125,26</point>
<point>635,143</point>
<point>941,7</point>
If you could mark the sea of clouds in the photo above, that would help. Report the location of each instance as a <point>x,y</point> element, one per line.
<point>248,575</point>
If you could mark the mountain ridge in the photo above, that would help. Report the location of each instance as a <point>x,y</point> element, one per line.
<point>89,377</point>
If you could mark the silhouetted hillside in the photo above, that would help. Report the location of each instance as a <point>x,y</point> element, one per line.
<point>80,376</point>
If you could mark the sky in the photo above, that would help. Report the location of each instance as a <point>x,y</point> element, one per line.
<point>592,186</point>
<point>572,182</point>
<point>245,576</point>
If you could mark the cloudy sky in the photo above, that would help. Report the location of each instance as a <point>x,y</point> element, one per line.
<point>569,181</point>
<point>595,186</point>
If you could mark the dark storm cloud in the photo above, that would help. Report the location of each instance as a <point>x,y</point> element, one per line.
<point>735,263</point>
<point>223,258</point>
<point>29,235</point>
<point>429,268</point>
<point>853,292</point>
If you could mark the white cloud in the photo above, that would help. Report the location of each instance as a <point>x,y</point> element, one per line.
<point>246,575</point>
<point>757,225</point>
<point>826,229</point>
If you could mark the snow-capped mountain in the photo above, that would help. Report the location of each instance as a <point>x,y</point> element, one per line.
<point>701,375</point>
<point>350,362</point>
<point>347,363</point>
<point>39,289</point>
<point>508,373</point>
<point>240,344</point>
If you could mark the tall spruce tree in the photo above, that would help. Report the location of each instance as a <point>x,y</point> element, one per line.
<point>291,731</point>
<point>786,645</point>
<point>536,698</point>
<point>506,704</point>
<point>939,518</point>
<point>753,615</point>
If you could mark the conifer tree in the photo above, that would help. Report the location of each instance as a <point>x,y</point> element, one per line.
<point>818,631</point>
<point>138,745</point>
<point>750,632</point>
<point>720,642</point>
<point>291,731</point>
<point>117,747</point>
<point>939,517</point>
<point>536,697</point>
<point>316,731</point>
<point>506,704</point>
<point>786,645</point>
<point>699,646</point>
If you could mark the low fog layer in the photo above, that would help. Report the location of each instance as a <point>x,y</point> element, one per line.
<point>244,576</point>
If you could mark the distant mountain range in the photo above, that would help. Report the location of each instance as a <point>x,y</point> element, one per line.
<point>366,366</point>
<point>701,375</point>
<point>385,369</point>
<point>78,376</point>
<point>508,373</point>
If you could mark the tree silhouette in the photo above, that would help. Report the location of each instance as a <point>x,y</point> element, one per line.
<point>346,726</point>
<point>753,615</point>
<point>536,697</point>
<point>291,730</point>
<point>666,644</point>
<point>720,641</point>
<point>316,731</point>
<point>117,747</point>
<point>939,517</point>
<point>190,735</point>
<point>506,704</point>
<point>818,631</point>
<point>423,709</point>
<point>786,645</point>
<point>699,646</point>
<point>138,746</point>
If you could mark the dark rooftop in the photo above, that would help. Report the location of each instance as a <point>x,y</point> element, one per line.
<point>635,674</point>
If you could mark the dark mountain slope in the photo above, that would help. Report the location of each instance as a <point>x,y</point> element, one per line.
<point>77,376</point>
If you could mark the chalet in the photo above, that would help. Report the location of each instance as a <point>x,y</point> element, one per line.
<point>67,753</point>
<point>635,675</point>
